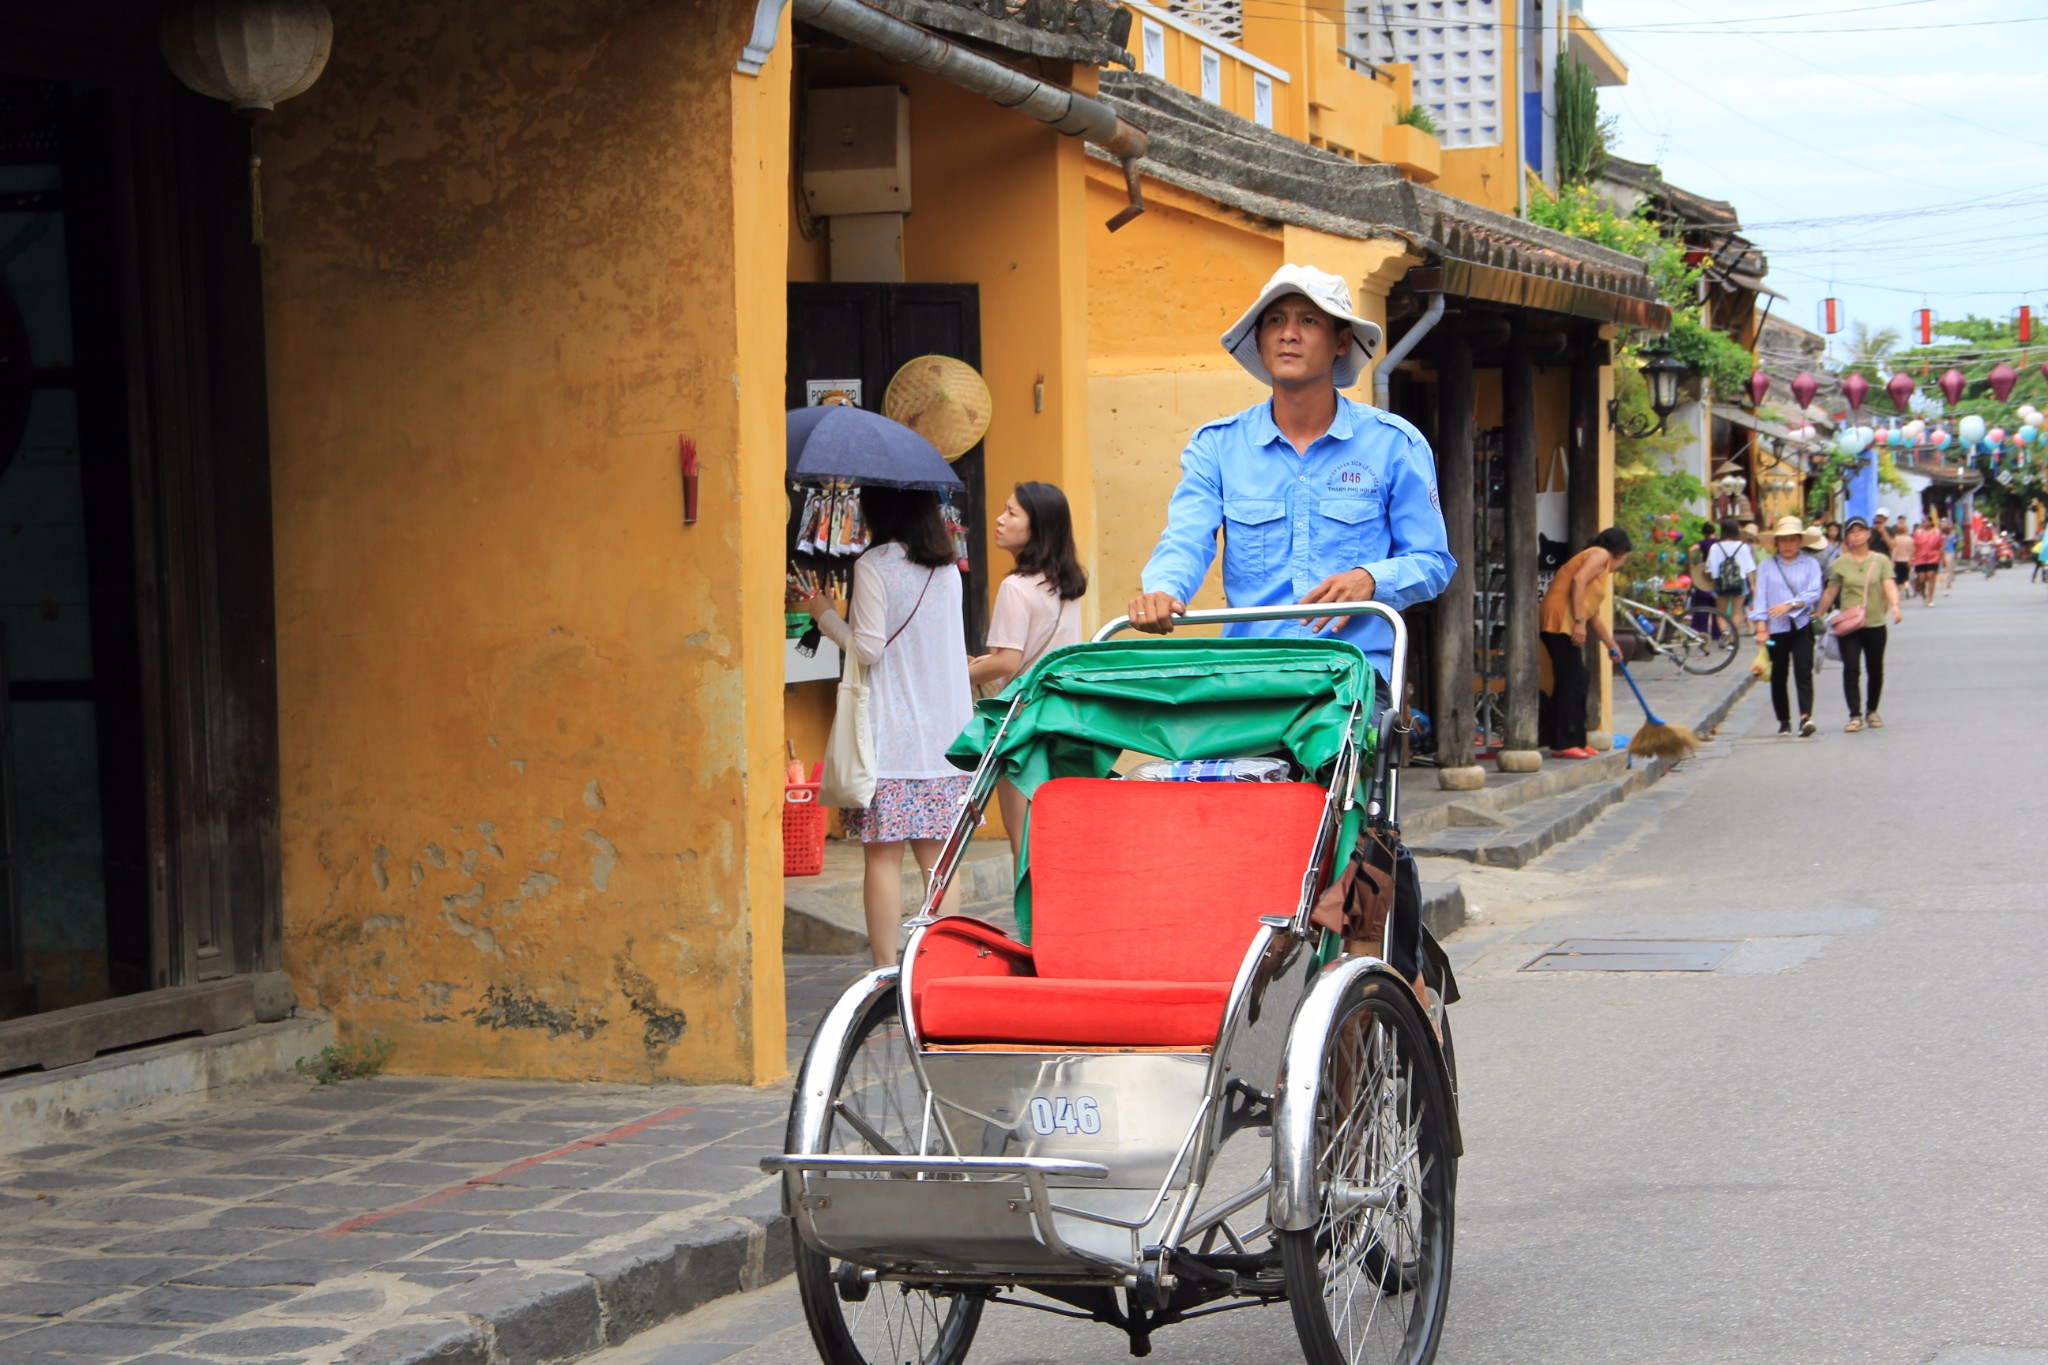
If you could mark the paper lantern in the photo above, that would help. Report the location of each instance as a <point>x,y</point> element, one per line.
<point>2027,434</point>
<point>1996,436</point>
<point>1939,440</point>
<point>1900,387</point>
<point>2001,379</point>
<point>1759,385</point>
<point>1855,388</point>
<point>1916,429</point>
<point>1952,385</point>
<point>1806,386</point>
<point>1971,429</point>
<point>251,53</point>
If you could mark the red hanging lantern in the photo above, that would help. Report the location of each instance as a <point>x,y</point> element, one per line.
<point>2023,323</point>
<point>1806,386</point>
<point>1900,387</point>
<point>1855,388</point>
<point>1952,385</point>
<point>2001,379</point>
<point>1923,326</point>
<point>1830,316</point>
<point>1759,385</point>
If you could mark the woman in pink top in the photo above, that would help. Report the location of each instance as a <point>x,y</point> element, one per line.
<point>1928,544</point>
<point>1038,607</point>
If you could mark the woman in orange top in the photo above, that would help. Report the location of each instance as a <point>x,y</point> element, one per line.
<point>1571,608</point>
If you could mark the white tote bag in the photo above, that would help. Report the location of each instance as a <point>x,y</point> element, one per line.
<point>849,779</point>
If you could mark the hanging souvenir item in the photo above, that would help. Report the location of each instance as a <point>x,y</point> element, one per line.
<point>956,526</point>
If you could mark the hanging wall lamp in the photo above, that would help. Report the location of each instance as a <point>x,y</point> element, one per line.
<point>1661,371</point>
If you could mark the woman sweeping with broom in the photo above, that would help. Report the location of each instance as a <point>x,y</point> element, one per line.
<point>1570,609</point>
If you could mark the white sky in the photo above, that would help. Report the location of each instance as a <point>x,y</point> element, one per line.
<point>1932,110</point>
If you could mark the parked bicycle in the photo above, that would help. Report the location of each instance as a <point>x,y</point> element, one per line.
<point>1692,650</point>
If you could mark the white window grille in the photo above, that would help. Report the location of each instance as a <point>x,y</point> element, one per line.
<point>1152,48</point>
<point>1212,75</point>
<point>1453,48</point>
<point>1222,18</point>
<point>1262,101</point>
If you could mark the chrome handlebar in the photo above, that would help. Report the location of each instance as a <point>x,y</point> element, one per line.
<point>1293,611</point>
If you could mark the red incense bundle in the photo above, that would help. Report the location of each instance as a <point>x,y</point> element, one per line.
<point>687,447</point>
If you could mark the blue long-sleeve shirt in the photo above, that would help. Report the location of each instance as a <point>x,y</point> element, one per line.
<point>1779,581</point>
<point>1363,497</point>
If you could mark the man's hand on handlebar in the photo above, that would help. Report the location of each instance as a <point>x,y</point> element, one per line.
<point>1153,612</point>
<point>1353,585</point>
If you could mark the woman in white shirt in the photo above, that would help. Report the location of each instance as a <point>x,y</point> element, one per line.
<point>1731,573</point>
<point>907,630</point>
<point>1038,607</point>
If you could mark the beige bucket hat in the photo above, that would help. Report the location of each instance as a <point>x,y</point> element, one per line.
<point>1327,292</point>
<point>1788,526</point>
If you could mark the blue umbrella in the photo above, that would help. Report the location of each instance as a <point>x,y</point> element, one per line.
<point>835,442</point>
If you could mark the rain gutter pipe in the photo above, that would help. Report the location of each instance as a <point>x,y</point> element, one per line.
<point>1066,111</point>
<point>1383,373</point>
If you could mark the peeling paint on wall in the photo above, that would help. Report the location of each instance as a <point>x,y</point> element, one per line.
<point>506,1008</point>
<point>593,795</point>
<point>663,1026</point>
<point>602,861</point>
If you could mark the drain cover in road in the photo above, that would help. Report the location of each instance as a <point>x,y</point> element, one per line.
<point>1633,955</point>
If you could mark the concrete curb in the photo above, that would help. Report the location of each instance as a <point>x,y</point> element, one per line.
<point>1514,832</point>
<point>541,1316</point>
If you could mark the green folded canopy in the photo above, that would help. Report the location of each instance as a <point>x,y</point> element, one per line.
<point>1177,699</point>
<point>1194,698</point>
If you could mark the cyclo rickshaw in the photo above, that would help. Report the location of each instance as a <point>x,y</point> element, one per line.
<point>1171,1094</point>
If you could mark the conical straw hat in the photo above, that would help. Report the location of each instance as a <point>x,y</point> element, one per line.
<point>941,399</point>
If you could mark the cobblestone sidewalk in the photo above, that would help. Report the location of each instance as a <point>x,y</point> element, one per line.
<point>391,1220</point>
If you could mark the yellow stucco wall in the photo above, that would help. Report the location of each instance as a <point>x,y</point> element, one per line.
<point>1161,293</point>
<point>530,808</point>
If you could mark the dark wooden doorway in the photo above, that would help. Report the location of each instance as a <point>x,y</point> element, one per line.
<point>148,192</point>
<point>868,332</point>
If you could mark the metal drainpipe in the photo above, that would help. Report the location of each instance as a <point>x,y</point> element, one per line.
<point>1383,373</point>
<point>1067,111</point>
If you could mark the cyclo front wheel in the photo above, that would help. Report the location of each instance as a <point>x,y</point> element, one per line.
<point>1371,1280</point>
<point>877,1107</point>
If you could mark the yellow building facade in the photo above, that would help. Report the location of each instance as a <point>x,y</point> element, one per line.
<point>516,730</point>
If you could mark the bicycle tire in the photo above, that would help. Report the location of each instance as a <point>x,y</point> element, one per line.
<point>1707,655</point>
<point>1371,1279</point>
<point>890,1323</point>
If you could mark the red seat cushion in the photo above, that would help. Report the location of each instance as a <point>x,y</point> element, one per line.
<point>1033,1009</point>
<point>1145,897</point>
<point>1163,881</point>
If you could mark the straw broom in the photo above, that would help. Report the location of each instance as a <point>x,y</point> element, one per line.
<point>1656,739</point>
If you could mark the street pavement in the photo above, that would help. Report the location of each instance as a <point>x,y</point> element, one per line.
<point>1827,1149</point>
<point>1821,1151</point>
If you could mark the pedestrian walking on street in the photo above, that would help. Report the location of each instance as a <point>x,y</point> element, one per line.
<point>1574,605</point>
<point>1927,548</point>
<point>1038,608</point>
<point>1731,570</point>
<point>1948,556</point>
<point>906,628</point>
<point>1862,581</point>
<point>1788,588</point>
<point>1831,548</point>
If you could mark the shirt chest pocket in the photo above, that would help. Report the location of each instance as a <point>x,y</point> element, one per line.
<point>1254,537</point>
<point>1345,529</point>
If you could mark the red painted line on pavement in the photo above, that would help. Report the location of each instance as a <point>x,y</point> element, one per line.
<point>361,1221</point>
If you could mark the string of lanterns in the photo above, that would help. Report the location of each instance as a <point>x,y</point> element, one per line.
<point>1969,439</point>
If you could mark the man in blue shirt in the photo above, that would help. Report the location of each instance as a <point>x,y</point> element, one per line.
<point>1319,498</point>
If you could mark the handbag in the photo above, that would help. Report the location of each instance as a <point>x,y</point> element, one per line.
<point>1849,620</point>
<point>849,780</point>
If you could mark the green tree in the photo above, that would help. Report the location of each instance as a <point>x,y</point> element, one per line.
<point>1581,137</point>
<point>1976,346</point>
<point>1871,353</point>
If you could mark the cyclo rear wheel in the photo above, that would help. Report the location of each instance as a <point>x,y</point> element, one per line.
<point>877,1109</point>
<point>1371,1280</point>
